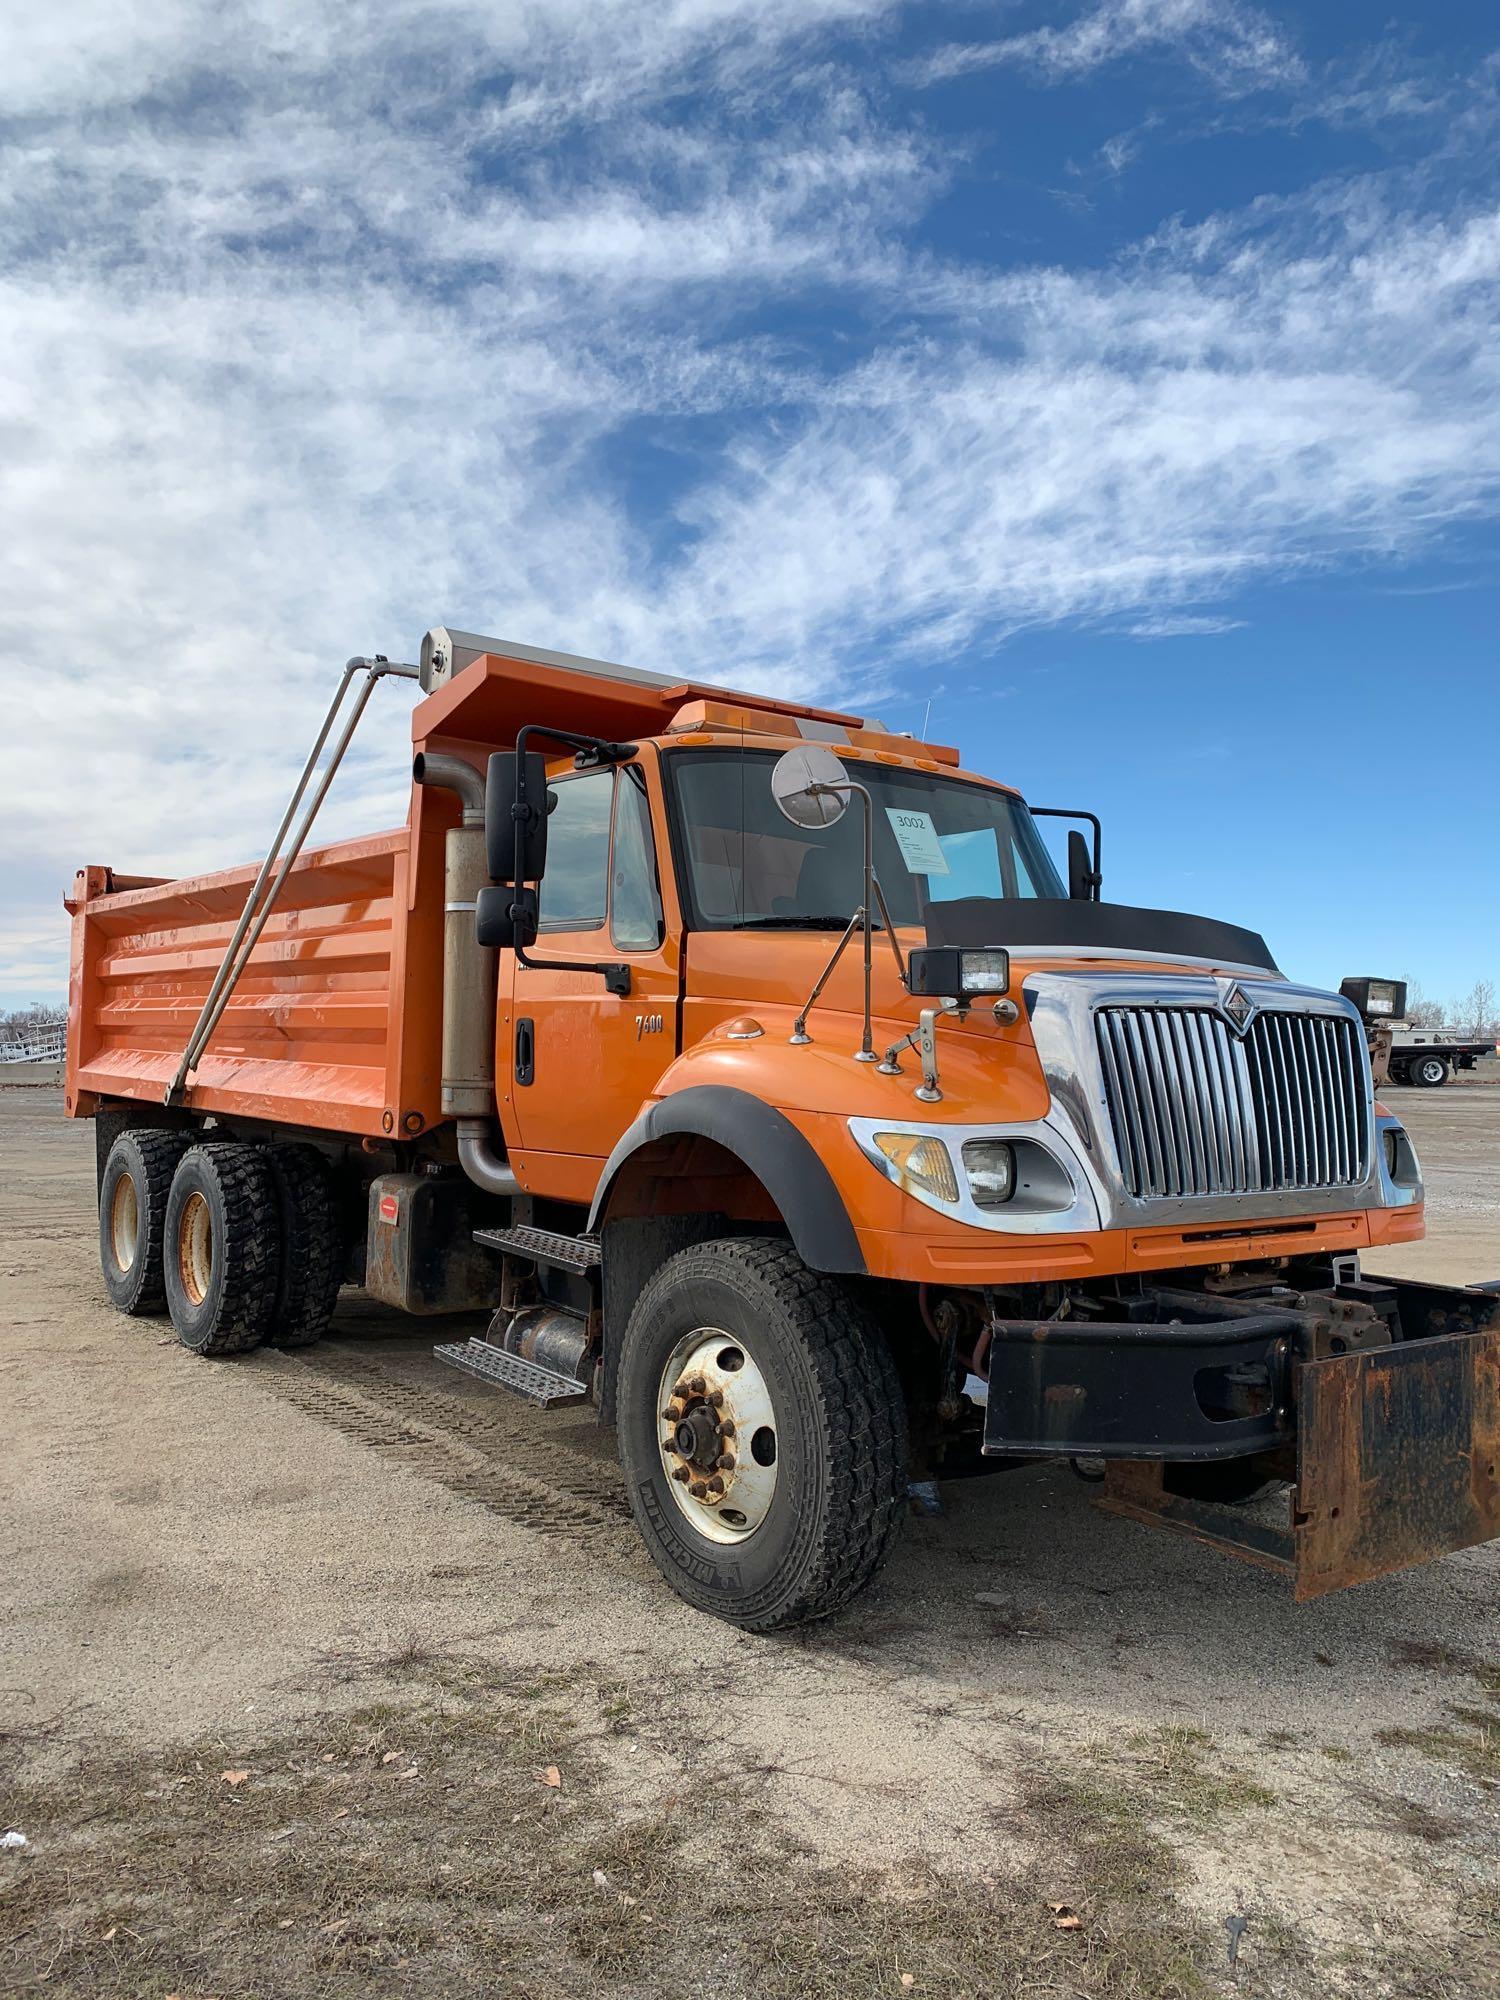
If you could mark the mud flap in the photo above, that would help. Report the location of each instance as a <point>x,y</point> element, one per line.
<point>1398,1451</point>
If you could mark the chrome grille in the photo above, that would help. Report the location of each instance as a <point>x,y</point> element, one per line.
<point>1200,1110</point>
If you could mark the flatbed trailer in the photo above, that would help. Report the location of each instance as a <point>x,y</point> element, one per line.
<point>1400,1053</point>
<point>751,1067</point>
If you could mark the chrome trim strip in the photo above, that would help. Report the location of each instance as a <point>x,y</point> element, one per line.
<point>1398,1194</point>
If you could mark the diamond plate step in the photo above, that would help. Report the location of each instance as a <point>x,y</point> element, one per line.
<point>512,1371</point>
<point>546,1246</point>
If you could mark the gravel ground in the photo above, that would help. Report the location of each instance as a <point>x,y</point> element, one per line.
<point>200,1551</point>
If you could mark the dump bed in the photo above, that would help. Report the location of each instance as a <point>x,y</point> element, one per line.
<point>336,1024</point>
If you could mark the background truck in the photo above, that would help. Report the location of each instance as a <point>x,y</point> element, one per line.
<point>752,1068</point>
<point>1400,1053</point>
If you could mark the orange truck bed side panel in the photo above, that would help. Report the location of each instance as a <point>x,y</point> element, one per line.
<point>336,1023</point>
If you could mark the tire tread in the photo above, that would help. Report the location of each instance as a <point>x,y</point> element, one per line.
<point>312,1248</point>
<point>250,1245</point>
<point>861,1416</point>
<point>159,1152</point>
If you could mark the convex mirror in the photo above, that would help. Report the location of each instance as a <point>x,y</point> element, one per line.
<point>810,786</point>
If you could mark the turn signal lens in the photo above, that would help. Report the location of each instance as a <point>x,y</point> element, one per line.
<point>918,1157</point>
<point>991,1167</point>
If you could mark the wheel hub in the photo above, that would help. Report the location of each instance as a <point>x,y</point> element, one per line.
<point>124,1221</point>
<point>718,1434</point>
<point>195,1247</point>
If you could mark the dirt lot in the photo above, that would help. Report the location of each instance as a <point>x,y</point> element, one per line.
<point>296,1645</point>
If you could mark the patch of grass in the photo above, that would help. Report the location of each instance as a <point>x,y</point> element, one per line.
<point>1439,1659</point>
<point>1183,1772</point>
<point>1458,1967</point>
<point>1414,1820</point>
<point>416,1848</point>
<point>1338,1753</point>
<point>1473,1746</point>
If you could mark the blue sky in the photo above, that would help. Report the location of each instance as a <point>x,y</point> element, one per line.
<point>1122,375</point>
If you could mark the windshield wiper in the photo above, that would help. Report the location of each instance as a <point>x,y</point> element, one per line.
<point>797,923</point>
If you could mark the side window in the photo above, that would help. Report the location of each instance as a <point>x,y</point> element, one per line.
<point>635,907</point>
<point>575,889</point>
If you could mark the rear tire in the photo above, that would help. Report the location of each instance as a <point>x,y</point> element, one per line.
<point>1430,1071</point>
<point>132,1217</point>
<point>312,1247</point>
<point>222,1255</point>
<point>821,1435</point>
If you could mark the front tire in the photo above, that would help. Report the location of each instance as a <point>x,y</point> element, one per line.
<point>133,1199</point>
<point>1430,1071</point>
<point>223,1248</point>
<point>777,1502</point>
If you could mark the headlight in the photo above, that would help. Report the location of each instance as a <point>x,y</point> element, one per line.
<point>945,972</point>
<point>918,1157</point>
<point>991,1167</point>
<point>1376,999</point>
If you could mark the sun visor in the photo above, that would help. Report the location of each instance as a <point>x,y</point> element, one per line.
<point>975,921</point>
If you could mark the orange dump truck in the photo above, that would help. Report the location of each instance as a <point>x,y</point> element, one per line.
<point>753,1068</point>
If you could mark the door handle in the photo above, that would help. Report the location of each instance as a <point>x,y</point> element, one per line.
<point>525,1063</point>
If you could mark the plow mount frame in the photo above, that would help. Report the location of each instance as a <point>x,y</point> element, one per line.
<point>1378,1400</point>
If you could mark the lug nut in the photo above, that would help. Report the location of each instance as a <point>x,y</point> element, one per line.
<point>716,1397</point>
<point>682,1473</point>
<point>697,1385</point>
<point>716,1486</point>
<point>672,1413</point>
<point>698,1490</point>
<point>726,1462</point>
<point>726,1429</point>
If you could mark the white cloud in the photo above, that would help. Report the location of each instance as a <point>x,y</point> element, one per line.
<point>1182,625</point>
<point>1235,47</point>
<point>320,329</point>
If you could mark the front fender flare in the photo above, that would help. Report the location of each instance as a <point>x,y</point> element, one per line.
<point>775,1152</point>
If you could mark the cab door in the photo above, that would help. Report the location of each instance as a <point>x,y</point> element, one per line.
<point>581,1058</point>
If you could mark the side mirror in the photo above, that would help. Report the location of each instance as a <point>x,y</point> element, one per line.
<point>512,782</point>
<point>501,916</point>
<point>1081,877</point>
<point>1085,870</point>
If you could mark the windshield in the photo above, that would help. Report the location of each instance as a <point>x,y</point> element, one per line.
<point>936,840</point>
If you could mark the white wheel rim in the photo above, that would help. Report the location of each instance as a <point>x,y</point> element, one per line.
<point>713,1405</point>
<point>124,1221</point>
<point>195,1247</point>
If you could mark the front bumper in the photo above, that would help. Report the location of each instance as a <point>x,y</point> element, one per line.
<point>1378,1400</point>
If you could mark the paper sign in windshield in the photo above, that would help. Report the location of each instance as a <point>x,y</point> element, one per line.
<point>917,838</point>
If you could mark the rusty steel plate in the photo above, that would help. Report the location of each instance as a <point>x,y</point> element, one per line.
<point>1398,1451</point>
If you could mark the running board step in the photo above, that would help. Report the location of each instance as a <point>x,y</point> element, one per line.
<point>541,1386</point>
<point>544,1246</point>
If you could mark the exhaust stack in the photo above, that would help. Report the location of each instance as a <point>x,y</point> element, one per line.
<point>468,1084</point>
